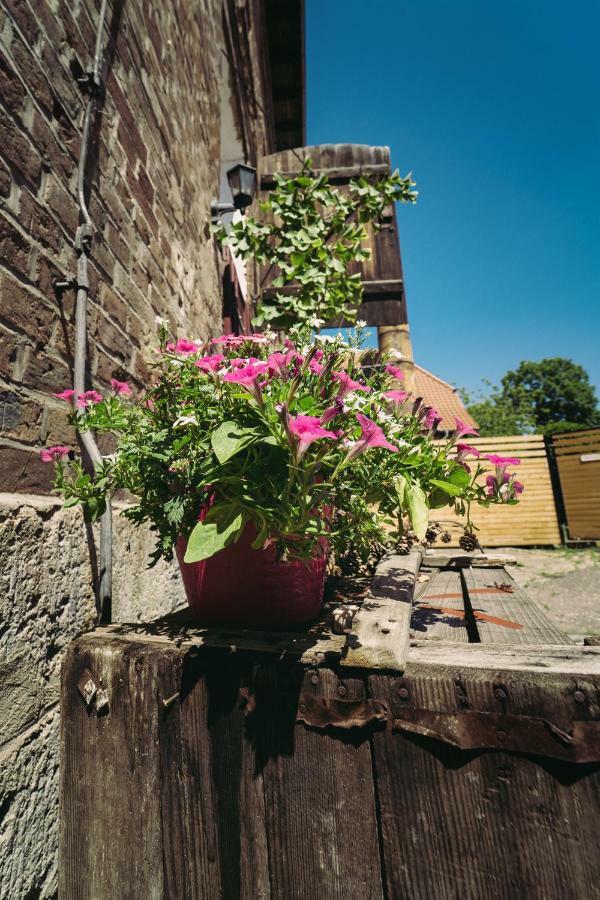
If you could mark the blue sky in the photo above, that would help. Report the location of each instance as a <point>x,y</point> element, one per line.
<point>495,107</point>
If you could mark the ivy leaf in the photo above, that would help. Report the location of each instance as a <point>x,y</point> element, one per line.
<point>417,509</point>
<point>207,538</point>
<point>228,439</point>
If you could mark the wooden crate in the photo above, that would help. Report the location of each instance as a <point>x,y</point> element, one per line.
<point>447,746</point>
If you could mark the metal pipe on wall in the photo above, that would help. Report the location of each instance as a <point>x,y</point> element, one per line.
<point>83,240</point>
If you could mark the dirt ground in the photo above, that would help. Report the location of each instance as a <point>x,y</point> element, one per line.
<point>565,582</point>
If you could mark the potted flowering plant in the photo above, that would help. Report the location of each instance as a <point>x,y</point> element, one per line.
<point>255,461</point>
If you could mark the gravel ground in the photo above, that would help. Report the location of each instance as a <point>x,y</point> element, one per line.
<point>566,584</point>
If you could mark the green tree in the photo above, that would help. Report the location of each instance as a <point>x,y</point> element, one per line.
<point>553,394</point>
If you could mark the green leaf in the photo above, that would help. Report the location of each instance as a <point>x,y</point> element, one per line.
<point>460,477</point>
<point>453,489</point>
<point>417,509</point>
<point>207,538</point>
<point>229,439</point>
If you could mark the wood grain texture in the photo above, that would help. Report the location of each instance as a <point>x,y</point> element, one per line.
<point>111,824</point>
<point>475,824</point>
<point>542,658</point>
<point>320,804</point>
<point>380,631</point>
<point>494,594</point>
<point>432,618</point>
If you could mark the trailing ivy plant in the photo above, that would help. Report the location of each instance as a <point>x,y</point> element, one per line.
<point>309,234</point>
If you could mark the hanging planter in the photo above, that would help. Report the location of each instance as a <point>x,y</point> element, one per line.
<point>241,450</point>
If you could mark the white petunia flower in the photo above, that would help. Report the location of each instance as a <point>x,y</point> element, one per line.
<point>162,323</point>
<point>361,323</point>
<point>185,420</point>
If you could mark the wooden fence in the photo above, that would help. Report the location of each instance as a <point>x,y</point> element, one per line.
<point>534,520</point>
<point>577,456</point>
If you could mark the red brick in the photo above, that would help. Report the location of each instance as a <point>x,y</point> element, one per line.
<point>54,157</point>
<point>28,67</point>
<point>45,373</point>
<point>37,221</point>
<point>11,89</point>
<point>25,20</point>
<point>20,418</point>
<point>63,205</point>
<point>14,248</point>
<point>24,312</point>
<point>10,345</point>
<point>5,180</point>
<point>56,428</point>
<point>24,472</point>
<point>17,149</point>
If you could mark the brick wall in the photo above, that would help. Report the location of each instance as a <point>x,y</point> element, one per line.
<point>155,169</point>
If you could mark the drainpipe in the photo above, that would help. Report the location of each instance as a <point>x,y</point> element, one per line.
<point>92,84</point>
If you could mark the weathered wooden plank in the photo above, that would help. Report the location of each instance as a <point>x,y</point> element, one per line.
<point>380,631</point>
<point>504,613</point>
<point>110,822</point>
<point>309,646</point>
<point>321,817</point>
<point>542,658</point>
<point>459,559</point>
<point>438,611</point>
<point>466,824</point>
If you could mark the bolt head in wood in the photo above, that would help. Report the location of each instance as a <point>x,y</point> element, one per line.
<point>579,696</point>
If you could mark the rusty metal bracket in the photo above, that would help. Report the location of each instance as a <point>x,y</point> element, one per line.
<point>471,730</point>
<point>332,712</point>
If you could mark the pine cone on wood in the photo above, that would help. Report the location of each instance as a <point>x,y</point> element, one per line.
<point>468,542</point>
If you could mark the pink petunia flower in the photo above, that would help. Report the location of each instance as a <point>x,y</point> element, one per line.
<point>120,387</point>
<point>183,347</point>
<point>209,363</point>
<point>501,462</point>
<point>396,400</point>
<point>461,429</point>
<point>248,377</point>
<point>65,395</point>
<point>315,366</point>
<point>395,372</point>
<point>231,341</point>
<point>88,398</point>
<point>371,436</point>
<point>305,430</point>
<point>467,450</point>
<point>464,450</point>
<point>432,419</point>
<point>503,485</point>
<point>332,411</point>
<point>347,385</point>
<point>54,454</point>
<point>279,363</point>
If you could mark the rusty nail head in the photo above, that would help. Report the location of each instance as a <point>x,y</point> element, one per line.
<point>314,679</point>
<point>502,736</point>
<point>342,690</point>
<point>579,696</point>
<point>403,693</point>
<point>500,694</point>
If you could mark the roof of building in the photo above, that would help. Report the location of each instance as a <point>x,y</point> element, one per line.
<point>443,397</point>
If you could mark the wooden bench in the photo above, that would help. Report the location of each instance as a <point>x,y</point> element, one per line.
<point>447,745</point>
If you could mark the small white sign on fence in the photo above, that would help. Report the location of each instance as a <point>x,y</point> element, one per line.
<point>590,457</point>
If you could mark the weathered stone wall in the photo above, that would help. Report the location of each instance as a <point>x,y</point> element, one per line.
<point>46,600</point>
<point>155,166</point>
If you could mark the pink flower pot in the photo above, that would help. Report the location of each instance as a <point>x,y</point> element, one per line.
<point>243,586</point>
